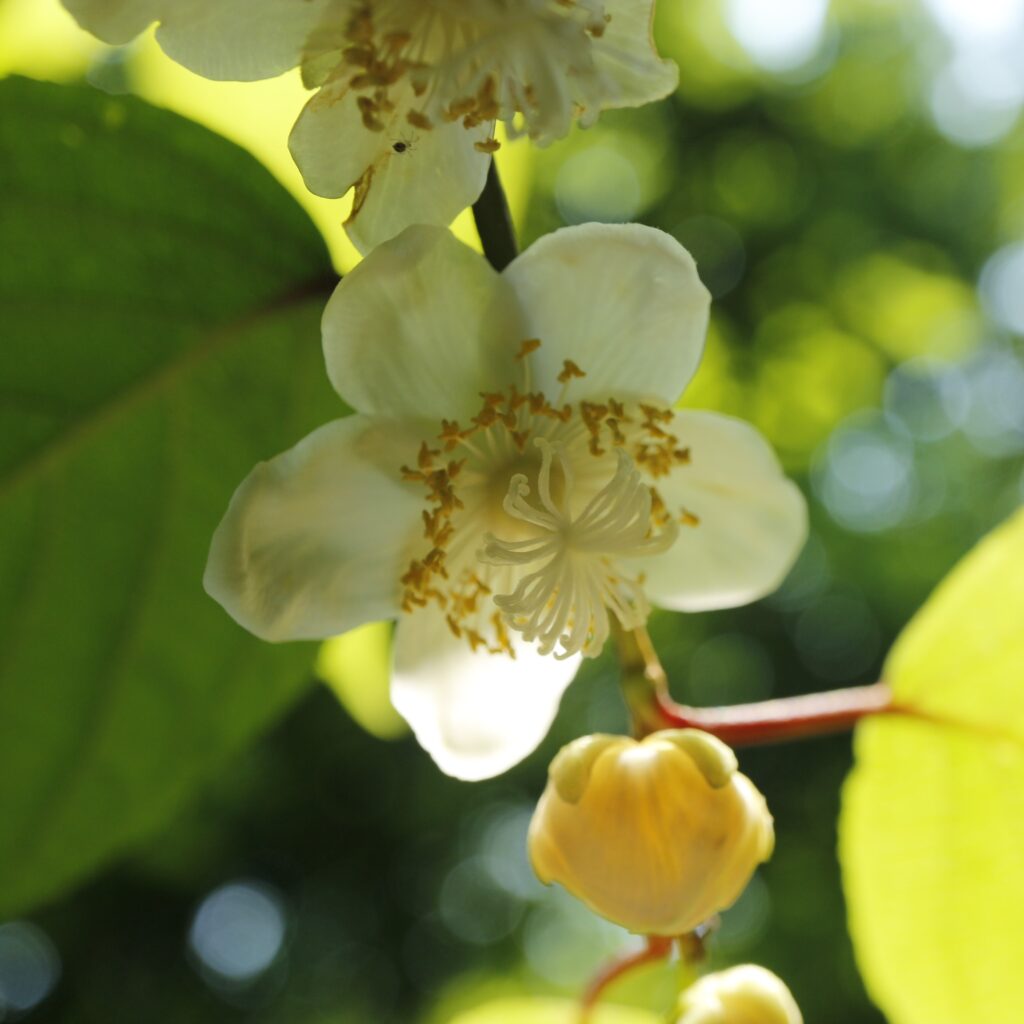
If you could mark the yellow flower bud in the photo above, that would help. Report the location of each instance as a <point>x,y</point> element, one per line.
<point>656,835</point>
<point>741,995</point>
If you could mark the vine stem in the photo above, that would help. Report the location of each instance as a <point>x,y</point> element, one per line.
<point>656,948</point>
<point>645,687</point>
<point>494,222</point>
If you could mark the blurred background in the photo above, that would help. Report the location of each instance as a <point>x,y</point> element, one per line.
<point>850,178</point>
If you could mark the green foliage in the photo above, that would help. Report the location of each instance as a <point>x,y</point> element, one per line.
<point>933,818</point>
<point>161,295</point>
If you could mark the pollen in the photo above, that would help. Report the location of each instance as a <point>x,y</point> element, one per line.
<point>532,511</point>
<point>462,64</point>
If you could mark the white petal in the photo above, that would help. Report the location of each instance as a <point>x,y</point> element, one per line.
<point>420,328</point>
<point>330,144</point>
<point>623,301</point>
<point>315,540</point>
<point>475,714</point>
<point>430,178</point>
<point>627,55</point>
<point>753,521</point>
<point>438,175</point>
<point>229,40</point>
<point>114,21</point>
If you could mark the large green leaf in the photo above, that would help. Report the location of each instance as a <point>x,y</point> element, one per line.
<point>932,829</point>
<point>159,300</point>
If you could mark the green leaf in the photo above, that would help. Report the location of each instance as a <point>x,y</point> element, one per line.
<point>932,827</point>
<point>550,1011</point>
<point>161,296</point>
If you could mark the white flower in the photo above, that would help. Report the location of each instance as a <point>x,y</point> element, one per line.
<point>408,90</point>
<point>514,477</point>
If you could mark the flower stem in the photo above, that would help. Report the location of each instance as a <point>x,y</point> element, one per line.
<point>656,948</point>
<point>494,222</point>
<point>645,687</point>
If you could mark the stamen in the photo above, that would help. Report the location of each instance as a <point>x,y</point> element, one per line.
<point>561,578</point>
<point>567,599</point>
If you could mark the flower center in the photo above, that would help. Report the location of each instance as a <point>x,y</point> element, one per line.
<point>472,61</point>
<point>532,510</point>
<point>566,599</point>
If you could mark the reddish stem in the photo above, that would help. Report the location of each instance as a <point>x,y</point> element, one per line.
<point>657,948</point>
<point>814,714</point>
<point>788,718</point>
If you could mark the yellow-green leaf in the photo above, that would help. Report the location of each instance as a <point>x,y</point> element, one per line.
<point>550,1011</point>
<point>357,668</point>
<point>932,828</point>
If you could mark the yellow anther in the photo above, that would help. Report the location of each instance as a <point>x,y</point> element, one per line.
<point>656,413</point>
<point>451,434</point>
<point>569,370</point>
<point>396,41</point>
<point>426,456</point>
<point>419,120</point>
<point>359,56</point>
<point>459,108</point>
<point>528,346</point>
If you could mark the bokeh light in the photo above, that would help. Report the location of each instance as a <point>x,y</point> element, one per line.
<point>1002,287</point>
<point>778,34</point>
<point>866,476</point>
<point>976,97</point>
<point>598,184</point>
<point>974,19</point>
<point>30,968</point>
<point>238,931</point>
<point>995,420</point>
<point>926,399</point>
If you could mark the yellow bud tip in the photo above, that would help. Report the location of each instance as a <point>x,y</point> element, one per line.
<point>747,994</point>
<point>716,761</point>
<point>570,770</point>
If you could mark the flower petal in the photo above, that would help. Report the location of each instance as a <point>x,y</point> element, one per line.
<point>752,520</point>
<point>314,541</point>
<point>227,40</point>
<point>623,301</point>
<point>114,21</point>
<point>626,53</point>
<point>403,175</point>
<point>330,144</point>
<point>439,174</point>
<point>420,328</point>
<point>476,714</point>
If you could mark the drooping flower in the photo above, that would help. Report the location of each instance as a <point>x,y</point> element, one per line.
<point>408,90</point>
<point>657,835</point>
<point>746,994</point>
<point>513,481</point>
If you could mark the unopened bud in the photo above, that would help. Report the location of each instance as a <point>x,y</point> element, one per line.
<point>741,995</point>
<point>657,835</point>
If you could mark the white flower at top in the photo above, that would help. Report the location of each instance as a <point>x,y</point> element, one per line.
<point>514,480</point>
<point>408,90</point>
